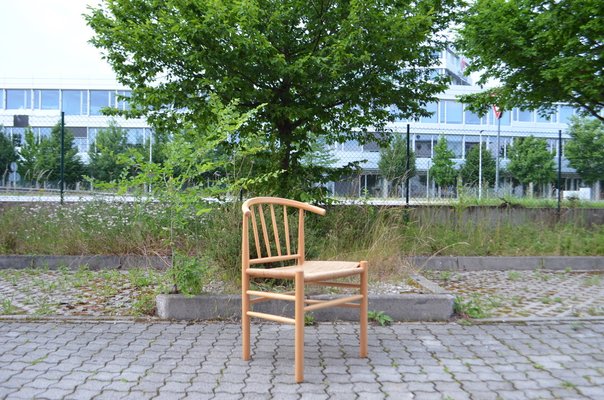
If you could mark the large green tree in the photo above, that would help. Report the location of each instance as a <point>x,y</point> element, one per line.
<point>8,154</point>
<point>325,69</point>
<point>531,161</point>
<point>585,150</point>
<point>470,170</point>
<point>541,51</point>
<point>106,153</point>
<point>393,161</point>
<point>443,167</point>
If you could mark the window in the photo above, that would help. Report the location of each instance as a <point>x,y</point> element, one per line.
<point>547,118</point>
<point>117,99</point>
<point>432,108</point>
<point>423,146</point>
<point>99,99</point>
<point>566,113</point>
<point>523,115</point>
<point>506,118</point>
<point>2,105</point>
<point>75,102</point>
<point>46,99</point>
<point>18,99</point>
<point>451,112</point>
<point>472,118</point>
<point>134,135</point>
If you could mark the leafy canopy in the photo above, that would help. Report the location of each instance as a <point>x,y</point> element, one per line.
<point>324,69</point>
<point>470,170</point>
<point>8,154</point>
<point>393,161</point>
<point>41,157</point>
<point>531,161</point>
<point>105,164</point>
<point>541,51</point>
<point>585,150</point>
<point>443,167</point>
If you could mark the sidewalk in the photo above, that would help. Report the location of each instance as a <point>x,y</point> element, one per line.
<point>113,360</point>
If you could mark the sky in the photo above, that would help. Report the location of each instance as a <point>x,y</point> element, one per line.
<point>48,39</point>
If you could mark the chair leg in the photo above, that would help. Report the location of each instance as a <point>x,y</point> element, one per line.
<point>245,319</point>
<point>363,311</point>
<point>299,327</point>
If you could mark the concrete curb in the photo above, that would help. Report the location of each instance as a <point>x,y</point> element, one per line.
<point>403,307</point>
<point>94,262</point>
<point>522,263</point>
<point>437,305</point>
<point>439,263</point>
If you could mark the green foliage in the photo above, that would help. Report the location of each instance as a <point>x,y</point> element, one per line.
<point>393,161</point>
<point>105,164</point>
<point>470,170</point>
<point>8,153</point>
<point>443,167</point>
<point>585,151</point>
<point>309,320</point>
<point>474,306</point>
<point>531,161</point>
<point>188,274</point>
<point>379,317</point>
<point>542,52</point>
<point>41,158</point>
<point>328,70</point>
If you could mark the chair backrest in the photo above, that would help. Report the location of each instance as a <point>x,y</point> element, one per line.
<point>278,236</point>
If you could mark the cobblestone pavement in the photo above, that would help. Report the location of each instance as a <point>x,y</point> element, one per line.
<point>100,360</point>
<point>539,293</point>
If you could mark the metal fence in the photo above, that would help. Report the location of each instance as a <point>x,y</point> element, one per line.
<point>75,137</point>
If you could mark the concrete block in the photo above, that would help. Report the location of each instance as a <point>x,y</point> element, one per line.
<point>401,307</point>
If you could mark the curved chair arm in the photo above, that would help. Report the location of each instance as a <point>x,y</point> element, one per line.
<point>280,201</point>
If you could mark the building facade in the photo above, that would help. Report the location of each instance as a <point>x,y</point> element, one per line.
<point>38,105</point>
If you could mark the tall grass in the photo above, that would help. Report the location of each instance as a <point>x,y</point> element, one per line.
<point>385,236</point>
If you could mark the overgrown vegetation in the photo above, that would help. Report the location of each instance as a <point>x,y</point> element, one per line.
<point>208,245</point>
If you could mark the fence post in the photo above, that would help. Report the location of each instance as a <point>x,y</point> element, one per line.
<point>407,166</point>
<point>62,182</point>
<point>559,171</point>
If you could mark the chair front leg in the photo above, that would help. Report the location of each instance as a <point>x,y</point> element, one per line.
<point>299,327</point>
<point>363,311</point>
<point>245,319</point>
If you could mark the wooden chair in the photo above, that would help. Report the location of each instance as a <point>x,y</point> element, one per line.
<point>275,243</point>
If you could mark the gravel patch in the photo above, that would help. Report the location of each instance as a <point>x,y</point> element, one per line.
<point>519,294</point>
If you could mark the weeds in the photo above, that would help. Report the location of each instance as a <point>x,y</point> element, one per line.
<point>309,320</point>
<point>475,306</point>
<point>379,317</point>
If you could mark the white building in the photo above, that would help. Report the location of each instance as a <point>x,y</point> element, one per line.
<point>38,104</point>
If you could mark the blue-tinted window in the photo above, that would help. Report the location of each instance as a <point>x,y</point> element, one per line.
<point>135,135</point>
<point>2,105</point>
<point>451,112</point>
<point>75,102</point>
<point>547,118</point>
<point>523,115</point>
<point>18,99</point>
<point>99,99</point>
<point>46,99</point>
<point>566,113</point>
<point>472,118</point>
<point>506,118</point>
<point>122,102</point>
<point>432,108</point>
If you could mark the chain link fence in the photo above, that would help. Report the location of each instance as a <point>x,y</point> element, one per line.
<point>467,163</point>
<point>58,153</point>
